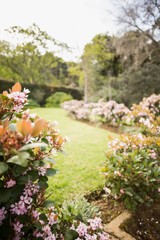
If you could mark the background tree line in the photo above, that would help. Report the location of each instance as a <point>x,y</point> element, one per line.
<point>125,67</point>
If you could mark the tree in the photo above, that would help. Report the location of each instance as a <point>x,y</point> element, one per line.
<point>75,74</point>
<point>134,50</point>
<point>30,60</point>
<point>138,49</point>
<point>141,19</point>
<point>99,63</point>
<point>132,85</point>
<point>143,16</point>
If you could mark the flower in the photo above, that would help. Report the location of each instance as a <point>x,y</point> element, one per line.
<point>17,226</point>
<point>82,229</point>
<point>10,183</point>
<point>3,212</point>
<point>95,223</point>
<point>122,191</point>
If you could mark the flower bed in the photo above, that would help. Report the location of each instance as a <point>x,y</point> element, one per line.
<point>104,112</point>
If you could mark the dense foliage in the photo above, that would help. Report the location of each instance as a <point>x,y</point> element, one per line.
<point>28,144</point>
<point>56,99</point>
<point>132,168</point>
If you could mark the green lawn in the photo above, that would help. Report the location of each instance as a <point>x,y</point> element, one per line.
<point>79,168</point>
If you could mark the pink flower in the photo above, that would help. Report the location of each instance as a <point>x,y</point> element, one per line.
<point>25,200</point>
<point>117,173</point>
<point>153,154</point>
<point>19,99</point>
<point>42,170</point>
<point>52,218</point>
<point>82,229</point>
<point>37,234</point>
<point>35,214</point>
<point>122,191</point>
<point>18,208</point>
<point>31,188</point>
<point>10,183</point>
<point>3,212</point>
<point>103,236</point>
<point>17,226</point>
<point>95,223</point>
<point>47,229</point>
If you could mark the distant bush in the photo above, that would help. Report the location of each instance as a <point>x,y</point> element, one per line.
<point>32,103</point>
<point>56,99</point>
<point>105,112</point>
<point>146,115</point>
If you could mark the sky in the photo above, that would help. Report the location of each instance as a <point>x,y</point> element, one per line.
<point>74,22</point>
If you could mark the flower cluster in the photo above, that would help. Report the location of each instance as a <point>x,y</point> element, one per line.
<point>17,97</point>
<point>106,112</point>
<point>152,103</point>
<point>92,230</point>
<point>28,145</point>
<point>146,115</point>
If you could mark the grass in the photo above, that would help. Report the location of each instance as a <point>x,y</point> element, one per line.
<point>79,168</point>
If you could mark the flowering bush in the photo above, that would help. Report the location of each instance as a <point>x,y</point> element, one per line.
<point>27,147</point>
<point>146,115</point>
<point>152,103</point>
<point>105,112</point>
<point>132,169</point>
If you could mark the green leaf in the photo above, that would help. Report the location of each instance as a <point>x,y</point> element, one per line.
<point>128,193</point>
<point>5,195</point>
<point>153,180</point>
<point>43,182</point>
<point>33,174</point>
<point>48,203</point>
<point>49,159</point>
<point>43,217</point>
<point>71,234</point>
<point>3,167</point>
<point>32,145</point>
<point>22,179</point>
<point>16,192</point>
<point>20,159</point>
<point>51,172</point>
<point>18,170</point>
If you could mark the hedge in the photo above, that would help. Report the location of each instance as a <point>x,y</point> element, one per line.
<point>41,92</point>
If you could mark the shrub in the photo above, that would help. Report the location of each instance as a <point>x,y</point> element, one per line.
<point>132,169</point>
<point>79,209</point>
<point>146,115</point>
<point>105,112</point>
<point>27,147</point>
<point>32,103</point>
<point>56,99</point>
